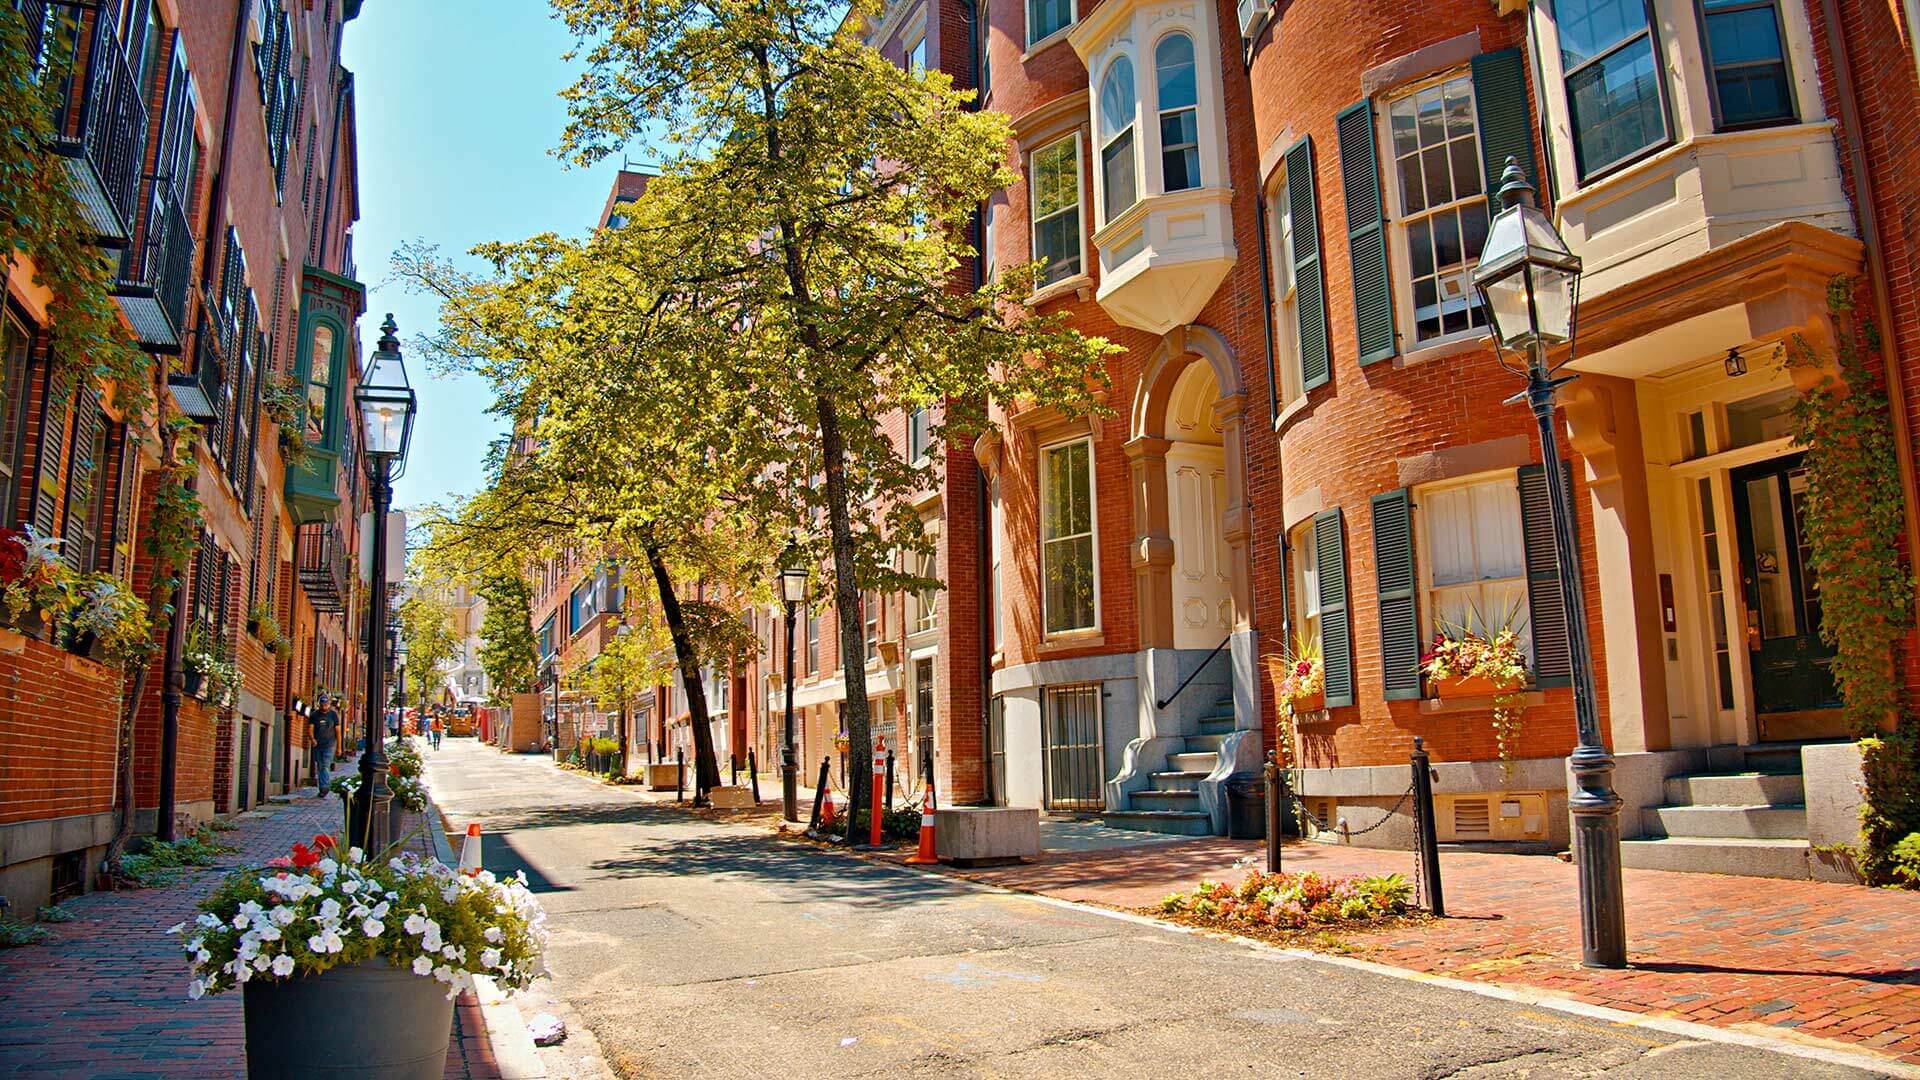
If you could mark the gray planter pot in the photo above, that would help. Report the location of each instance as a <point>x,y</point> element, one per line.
<point>361,1020</point>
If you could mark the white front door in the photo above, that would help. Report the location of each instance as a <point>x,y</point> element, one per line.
<point>1202,587</point>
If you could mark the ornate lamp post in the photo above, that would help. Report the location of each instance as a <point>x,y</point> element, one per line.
<point>387,406</point>
<point>793,590</point>
<point>1529,284</point>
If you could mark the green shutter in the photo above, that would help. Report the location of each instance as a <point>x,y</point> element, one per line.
<point>1366,234</point>
<point>1286,608</point>
<point>54,416</point>
<point>1394,584</point>
<point>77,532</point>
<point>1546,606</point>
<point>1506,129</point>
<point>1336,625</point>
<point>1309,285</point>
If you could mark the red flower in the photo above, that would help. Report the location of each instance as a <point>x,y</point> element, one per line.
<point>302,858</point>
<point>13,555</point>
<point>322,842</point>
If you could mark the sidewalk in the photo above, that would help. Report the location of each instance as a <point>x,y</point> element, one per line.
<point>1802,960</point>
<point>109,998</point>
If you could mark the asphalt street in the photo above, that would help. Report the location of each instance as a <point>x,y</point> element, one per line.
<point>695,948</point>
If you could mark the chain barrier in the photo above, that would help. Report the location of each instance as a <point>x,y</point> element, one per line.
<point>1419,879</point>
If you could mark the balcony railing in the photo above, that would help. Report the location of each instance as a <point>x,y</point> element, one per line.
<point>100,120</point>
<point>156,271</point>
<point>34,14</point>
<point>323,566</point>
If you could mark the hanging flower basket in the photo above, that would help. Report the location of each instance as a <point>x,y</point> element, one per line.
<point>356,963</point>
<point>195,684</point>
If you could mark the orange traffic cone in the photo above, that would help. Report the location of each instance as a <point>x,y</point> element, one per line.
<point>925,855</point>
<point>470,850</point>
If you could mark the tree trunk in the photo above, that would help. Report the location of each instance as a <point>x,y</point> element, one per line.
<point>706,769</point>
<point>858,714</point>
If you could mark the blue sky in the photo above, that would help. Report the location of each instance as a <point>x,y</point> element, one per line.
<point>458,110</point>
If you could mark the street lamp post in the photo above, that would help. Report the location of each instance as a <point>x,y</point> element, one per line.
<point>793,590</point>
<point>1529,284</point>
<point>387,406</point>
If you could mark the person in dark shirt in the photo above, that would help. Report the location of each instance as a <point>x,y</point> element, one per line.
<point>326,738</point>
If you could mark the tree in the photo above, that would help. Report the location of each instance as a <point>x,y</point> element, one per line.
<point>806,236</point>
<point>506,635</point>
<point>426,628</point>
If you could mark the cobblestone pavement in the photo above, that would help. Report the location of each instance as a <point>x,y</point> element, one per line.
<point>108,999</point>
<point>1799,959</point>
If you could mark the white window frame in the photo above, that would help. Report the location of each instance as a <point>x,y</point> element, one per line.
<point>1130,131</point>
<point>987,256</point>
<point>919,434</point>
<point>997,538</point>
<point>1287,362</point>
<point>1160,113</point>
<point>1092,534</point>
<point>926,601</point>
<point>1033,41</point>
<point>1508,482</point>
<point>1399,218</point>
<point>1304,567</point>
<point>1078,209</point>
<point>918,44</point>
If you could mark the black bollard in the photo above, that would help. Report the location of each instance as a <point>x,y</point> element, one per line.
<point>753,776</point>
<point>1275,786</point>
<point>889,781</point>
<point>819,793</point>
<point>1423,823</point>
<point>679,775</point>
<point>733,777</point>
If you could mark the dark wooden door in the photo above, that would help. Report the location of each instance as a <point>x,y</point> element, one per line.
<point>1792,667</point>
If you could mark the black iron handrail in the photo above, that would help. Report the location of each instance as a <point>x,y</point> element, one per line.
<point>1191,675</point>
<point>160,261</point>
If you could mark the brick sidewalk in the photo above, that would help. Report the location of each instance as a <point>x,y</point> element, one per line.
<point>109,998</point>
<point>1800,959</point>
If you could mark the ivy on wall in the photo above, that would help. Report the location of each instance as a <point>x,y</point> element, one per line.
<point>40,220</point>
<point>1854,519</point>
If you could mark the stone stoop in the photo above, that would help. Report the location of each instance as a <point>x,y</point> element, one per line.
<point>1171,804</point>
<point>1751,822</point>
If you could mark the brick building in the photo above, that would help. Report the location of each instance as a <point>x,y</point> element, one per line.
<point>213,146</point>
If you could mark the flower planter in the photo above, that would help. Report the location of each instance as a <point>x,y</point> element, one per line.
<point>195,684</point>
<point>32,623</point>
<point>87,643</point>
<point>1309,703</point>
<point>1466,686</point>
<point>358,1020</point>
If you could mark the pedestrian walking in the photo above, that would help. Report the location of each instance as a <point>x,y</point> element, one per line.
<point>326,737</point>
<point>438,729</point>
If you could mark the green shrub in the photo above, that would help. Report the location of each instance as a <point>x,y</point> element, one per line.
<point>1903,862</point>
<point>53,913</point>
<point>162,862</point>
<point>14,933</point>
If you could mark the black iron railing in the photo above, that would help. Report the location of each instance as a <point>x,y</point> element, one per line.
<point>34,14</point>
<point>100,121</point>
<point>323,566</point>
<point>156,271</point>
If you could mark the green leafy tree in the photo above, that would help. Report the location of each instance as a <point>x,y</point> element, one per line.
<point>799,261</point>
<point>426,628</point>
<point>506,635</point>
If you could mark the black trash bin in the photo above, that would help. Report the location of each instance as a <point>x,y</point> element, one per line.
<point>1247,808</point>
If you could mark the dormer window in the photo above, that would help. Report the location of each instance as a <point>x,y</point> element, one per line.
<point>1117,184</point>
<point>1178,102</point>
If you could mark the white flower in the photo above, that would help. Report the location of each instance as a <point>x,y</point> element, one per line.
<point>260,963</point>
<point>283,915</point>
<point>282,965</point>
<point>422,966</point>
<point>206,921</point>
<point>329,867</point>
<point>316,943</point>
<point>203,956</point>
<point>373,927</point>
<point>416,923</point>
<point>355,854</point>
<point>450,953</point>
<point>380,910</point>
<point>177,928</point>
<point>490,958</point>
<point>240,921</point>
<point>329,910</point>
<point>450,893</point>
<point>269,933</point>
<point>350,886</point>
<point>493,934</point>
<point>196,989</point>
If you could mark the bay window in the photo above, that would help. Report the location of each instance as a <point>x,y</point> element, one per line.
<point>1178,101</point>
<point>1118,186</point>
<point>1054,181</point>
<point>320,384</point>
<point>1615,94</point>
<point>1067,561</point>
<point>1442,207</point>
